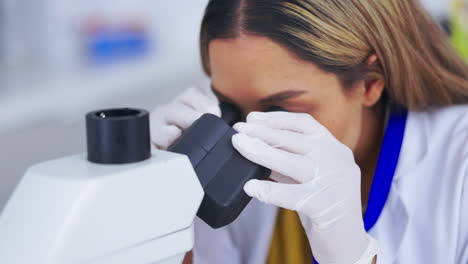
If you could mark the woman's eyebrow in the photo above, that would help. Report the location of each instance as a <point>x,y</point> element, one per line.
<point>281,96</point>
<point>274,98</point>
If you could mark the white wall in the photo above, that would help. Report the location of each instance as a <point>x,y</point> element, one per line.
<point>438,8</point>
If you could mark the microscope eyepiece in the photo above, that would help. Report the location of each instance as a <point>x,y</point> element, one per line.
<point>230,113</point>
<point>118,136</point>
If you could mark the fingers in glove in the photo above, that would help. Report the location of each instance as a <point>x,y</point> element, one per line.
<point>163,136</point>
<point>289,196</point>
<point>297,122</point>
<point>283,162</point>
<point>271,193</point>
<point>291,141</point>
<point>181,115</point>
<point>199,102</point>
<point>280,178</point>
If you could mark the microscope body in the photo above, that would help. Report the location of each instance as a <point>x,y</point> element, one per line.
<point>72,211</point>
<point>123,202</point>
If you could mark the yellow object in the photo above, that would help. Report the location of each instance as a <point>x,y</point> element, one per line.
<point>289,243</point>
<point>460,26</point>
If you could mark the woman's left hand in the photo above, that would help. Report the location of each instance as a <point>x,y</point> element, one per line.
<point>316,176</point>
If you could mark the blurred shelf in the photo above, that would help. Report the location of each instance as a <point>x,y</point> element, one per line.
<point>66,98</point>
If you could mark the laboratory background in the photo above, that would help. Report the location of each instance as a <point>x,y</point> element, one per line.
<point>60,59</point>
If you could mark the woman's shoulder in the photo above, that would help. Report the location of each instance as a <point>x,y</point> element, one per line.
<point>444,127</point>
<point>431,182</point>
<point>449,119</point>
<point>436,140</point>
<point>443,170</point>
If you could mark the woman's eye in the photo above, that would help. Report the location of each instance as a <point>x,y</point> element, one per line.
<point>276,108</point>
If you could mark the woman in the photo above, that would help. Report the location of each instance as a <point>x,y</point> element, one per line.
<point>347,72</point>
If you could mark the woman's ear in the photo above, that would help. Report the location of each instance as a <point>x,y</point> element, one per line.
<point>373,86</point>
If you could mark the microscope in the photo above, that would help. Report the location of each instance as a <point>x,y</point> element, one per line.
<point>125,202</point>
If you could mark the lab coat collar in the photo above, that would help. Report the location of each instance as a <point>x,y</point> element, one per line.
<point>415,144</point>
<point>394,217</point>
<point>395,214</point>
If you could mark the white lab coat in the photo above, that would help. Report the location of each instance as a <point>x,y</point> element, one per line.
<point>425,218</point>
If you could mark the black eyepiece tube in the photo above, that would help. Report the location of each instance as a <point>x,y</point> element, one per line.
<point>230,113</point>
<point>118,136</point>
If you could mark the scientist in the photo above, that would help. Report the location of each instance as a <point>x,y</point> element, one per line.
<point>372,154</point>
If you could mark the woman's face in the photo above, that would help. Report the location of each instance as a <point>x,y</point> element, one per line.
<point>255,73</point>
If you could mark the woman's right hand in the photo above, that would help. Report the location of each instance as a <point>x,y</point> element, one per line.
<point>168,121</point>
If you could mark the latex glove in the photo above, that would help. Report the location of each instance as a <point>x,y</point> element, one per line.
<point>317,177</point>
<point>170,120</point>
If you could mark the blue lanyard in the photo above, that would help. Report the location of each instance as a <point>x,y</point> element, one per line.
<point>386,167</point>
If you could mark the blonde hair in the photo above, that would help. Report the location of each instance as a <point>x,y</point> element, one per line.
<point>419,66</point>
